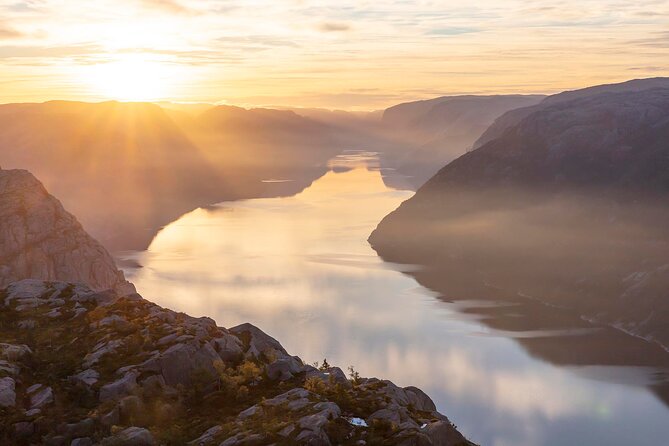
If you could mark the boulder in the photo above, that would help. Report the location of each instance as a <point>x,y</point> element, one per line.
<point>7,392</point>
<point>419,399</point>
<point>207,437</point>
<point>40,396</point>
<point>119,388</point>
<point>283,369</point>
<point>178,363</point>
<point>228,347</point>
<point>259,343</point>
<point>132,436</point>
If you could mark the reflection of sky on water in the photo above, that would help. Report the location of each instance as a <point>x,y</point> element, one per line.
<point>301,269</point>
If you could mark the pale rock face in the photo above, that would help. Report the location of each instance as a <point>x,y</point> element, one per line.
<point>39,239</point>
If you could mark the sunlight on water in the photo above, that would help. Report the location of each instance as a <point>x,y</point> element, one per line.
<point>300,268</point>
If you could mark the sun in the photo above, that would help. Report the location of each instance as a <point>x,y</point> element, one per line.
<point>130,78</point>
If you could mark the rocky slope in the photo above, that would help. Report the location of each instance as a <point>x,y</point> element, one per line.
<point>81,367</point>
<point>567,207</point>
<point>40,240</point>
<point>513,117</point>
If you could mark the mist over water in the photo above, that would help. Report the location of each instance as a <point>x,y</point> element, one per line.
<point>301,269</point>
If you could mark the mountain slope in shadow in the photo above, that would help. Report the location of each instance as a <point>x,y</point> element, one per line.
<point>567,207</point>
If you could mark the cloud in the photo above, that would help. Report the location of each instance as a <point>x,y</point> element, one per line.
<point>329,27</point>
<point>9,33</point>
<point>170,6</point>
<point>452,31</point>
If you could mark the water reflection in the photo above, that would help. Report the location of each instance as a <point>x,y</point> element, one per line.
<point>301,269</point>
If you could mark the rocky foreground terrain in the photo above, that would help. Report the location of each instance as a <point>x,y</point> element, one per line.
<point>82,367</point>
<point>97,364</point>
<point>40,240</point>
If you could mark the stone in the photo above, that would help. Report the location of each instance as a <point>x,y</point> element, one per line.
<point>87,378</point>
<point>153,386</point>
<point>83,428</point>
<point>7,392</point>
<point>442,433</point>
<point>392,416</point>
<point>13,352</point>
<point>260,343</point>
<point>85,441</point>
<point>40,396</point>
<point>178,363</point>
<point>283,369</point>
<point>132,436</point>
<point>119,388</point>
<point>419,399</point>
<point>207,437</point>
<point>228,347</point>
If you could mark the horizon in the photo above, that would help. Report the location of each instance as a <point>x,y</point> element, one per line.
<point>293,107</point>
<point>355,56</point>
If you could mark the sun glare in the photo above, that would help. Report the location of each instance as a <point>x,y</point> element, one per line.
<point>132,78</point>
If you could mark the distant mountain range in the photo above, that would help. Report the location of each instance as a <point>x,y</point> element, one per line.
<point>127,169</point>
<point>567,205</point>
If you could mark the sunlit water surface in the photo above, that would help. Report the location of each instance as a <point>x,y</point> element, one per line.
<point>301,269</point>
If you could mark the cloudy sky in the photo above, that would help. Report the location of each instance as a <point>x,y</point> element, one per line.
<point>329,53</point>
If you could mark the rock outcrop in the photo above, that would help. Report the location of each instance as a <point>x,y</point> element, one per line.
<point>567,206</point>
<point>40,240</point>
<point>101,368</point>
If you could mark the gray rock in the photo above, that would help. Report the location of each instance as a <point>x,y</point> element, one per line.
<point>7,392</point>
<point>178,363</point>
<point>245,439</point>
<point>260,343</point>
<point>228,347</point>
<point>83,428</point>
<point>40,396</point>
<point>85,441</point>
<point>87,378</point>
<point>132,436</point>
<point>153,386</point>
<point>120,388</point>
<point>207,437</point>
<point>419,399</point>
<point>442,433</point>
<point>392,416</point>
<point>283,369</point>
<point>13,352</point>
<point>250,412</point>
<point>9,367</point>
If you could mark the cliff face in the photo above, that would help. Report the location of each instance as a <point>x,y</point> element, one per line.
<point>112,370</point>
<point>568,206</point>
<point>40,240</point>
<point>515,116</point>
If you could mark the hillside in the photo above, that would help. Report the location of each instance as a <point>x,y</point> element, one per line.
<point>567,207</point>
<point>40,240</point>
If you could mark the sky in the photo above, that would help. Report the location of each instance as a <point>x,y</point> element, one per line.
<point>356,55</point>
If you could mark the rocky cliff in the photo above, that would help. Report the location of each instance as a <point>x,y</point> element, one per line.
<point>40,240</point>
<point>567,206</point>
<point>81,367</point>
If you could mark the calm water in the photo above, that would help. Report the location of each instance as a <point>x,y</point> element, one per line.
<point>301,269</point>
